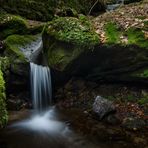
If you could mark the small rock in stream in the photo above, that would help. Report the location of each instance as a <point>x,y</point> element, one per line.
<point>103,107</point>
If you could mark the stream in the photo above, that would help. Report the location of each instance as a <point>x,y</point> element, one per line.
<point>57,128</point>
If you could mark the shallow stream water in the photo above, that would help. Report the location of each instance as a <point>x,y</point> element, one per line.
<point>60,129</point>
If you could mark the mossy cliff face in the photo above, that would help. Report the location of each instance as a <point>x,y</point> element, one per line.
<point>44,10</point>
<point>36,10</point>
<point>3,111</point>
<point>65,39</point>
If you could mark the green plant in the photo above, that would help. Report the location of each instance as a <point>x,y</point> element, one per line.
<point>3,111</point>
<point>143,101</point>
<point>73,30</point>
<point>130,98</point>
<point>112,33</point>
<point>136,36</point>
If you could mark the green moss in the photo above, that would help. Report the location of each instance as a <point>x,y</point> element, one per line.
<point>112,33</point>
<point>142,74</point>
<point>41,10</point>
<point>73,30</point>
<point>14,42</point>
<point>136,36</point>
<point>5,63</point>
<point>59,55</point>
<point>145,26</point>
<point>143,101</point>
<point>11,24</point>
<point>3,111</point>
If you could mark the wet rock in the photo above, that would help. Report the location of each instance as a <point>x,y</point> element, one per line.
<point>103,107</point>
<point>14,104</point>
<point>112,119</point>
<point>132,123</point>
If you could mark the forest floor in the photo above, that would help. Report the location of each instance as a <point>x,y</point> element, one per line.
<point>127,16</point>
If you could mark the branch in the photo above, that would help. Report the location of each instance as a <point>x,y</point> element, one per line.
<point>92,7</point>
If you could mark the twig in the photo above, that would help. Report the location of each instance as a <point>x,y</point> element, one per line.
<point>92,7</point>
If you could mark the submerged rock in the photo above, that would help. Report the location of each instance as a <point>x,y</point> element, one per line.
<point>103,107</point>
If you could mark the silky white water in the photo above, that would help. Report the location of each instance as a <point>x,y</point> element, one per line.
<point>41,89</point>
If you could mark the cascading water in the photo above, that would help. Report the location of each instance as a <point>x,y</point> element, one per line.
<point>43,120</point>
<point>41,88</point>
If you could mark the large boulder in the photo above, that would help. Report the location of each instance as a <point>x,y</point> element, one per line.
<point>12,24</point>
<point>19,50</point>
<point>64,39</point>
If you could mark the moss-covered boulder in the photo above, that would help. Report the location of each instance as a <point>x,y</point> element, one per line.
<point>3,111</point>
<point>66,38</point>
<point>18,49</point>
<point>12,24</point>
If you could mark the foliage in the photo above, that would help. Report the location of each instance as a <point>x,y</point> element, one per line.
<point>31,9</point>
<point>144,74</point>
<point>143,101</point>
<point>45,10</point>
<point>136,36</point>
<point>3,111</point>
<point>5,63</point>
<point>112,33</point>
<point>73,30</point>
<point>11,24</point>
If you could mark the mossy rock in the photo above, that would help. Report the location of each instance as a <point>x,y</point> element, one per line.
<point>12,24</point>
<point>14,43</point>
<point>65,38</point>
<point>3,111</point>
<point>16,48</point>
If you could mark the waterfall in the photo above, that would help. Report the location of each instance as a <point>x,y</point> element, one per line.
<point>44,118</point>
<point>115,6</point>
<point>41,89</point>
